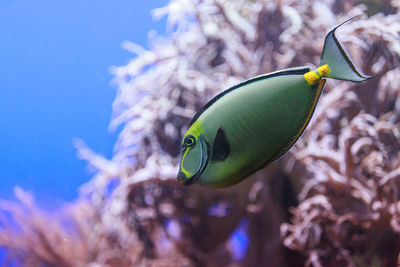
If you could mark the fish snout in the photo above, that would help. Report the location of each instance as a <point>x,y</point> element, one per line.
<point>181,178</point>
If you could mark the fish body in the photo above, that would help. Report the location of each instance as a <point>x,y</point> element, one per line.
<point>255,122</point>
<point>257,133</point>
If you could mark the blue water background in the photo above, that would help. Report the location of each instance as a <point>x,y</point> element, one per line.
<point>55,86</point>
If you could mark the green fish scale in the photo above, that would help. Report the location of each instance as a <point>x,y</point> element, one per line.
<point>259,119</point>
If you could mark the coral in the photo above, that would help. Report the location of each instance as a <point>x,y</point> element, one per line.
<point>332,200</point>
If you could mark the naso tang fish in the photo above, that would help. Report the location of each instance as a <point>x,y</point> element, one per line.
<point>251,124</point>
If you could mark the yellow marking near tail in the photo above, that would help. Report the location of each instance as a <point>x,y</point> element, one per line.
<point>324,70</point>
<point>311,77</point>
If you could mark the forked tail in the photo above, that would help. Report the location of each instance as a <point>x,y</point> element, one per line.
<point>340,65</point>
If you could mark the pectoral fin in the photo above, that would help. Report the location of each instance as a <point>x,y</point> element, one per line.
<point>221,147</point>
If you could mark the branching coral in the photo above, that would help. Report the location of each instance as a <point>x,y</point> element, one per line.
<point>341,179</point>
<point>350,203</point>
<point>346,160</point>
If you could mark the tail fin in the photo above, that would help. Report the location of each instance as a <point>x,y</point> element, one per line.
<point>340,65</point>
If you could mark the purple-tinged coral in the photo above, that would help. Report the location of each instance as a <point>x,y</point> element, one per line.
<point>332,200</point>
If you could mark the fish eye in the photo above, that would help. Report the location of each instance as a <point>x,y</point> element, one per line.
<point>189,141</point>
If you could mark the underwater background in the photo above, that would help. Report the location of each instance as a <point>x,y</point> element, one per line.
<point>55,86</point>
<point>332,200</point>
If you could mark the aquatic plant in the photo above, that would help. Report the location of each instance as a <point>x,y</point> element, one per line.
<point>332,200</point>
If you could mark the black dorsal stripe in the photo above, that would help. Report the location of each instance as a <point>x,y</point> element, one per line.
<point>221,147</point>
<point>294,71</point>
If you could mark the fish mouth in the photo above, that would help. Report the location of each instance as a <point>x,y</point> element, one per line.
<point>181,178</point>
